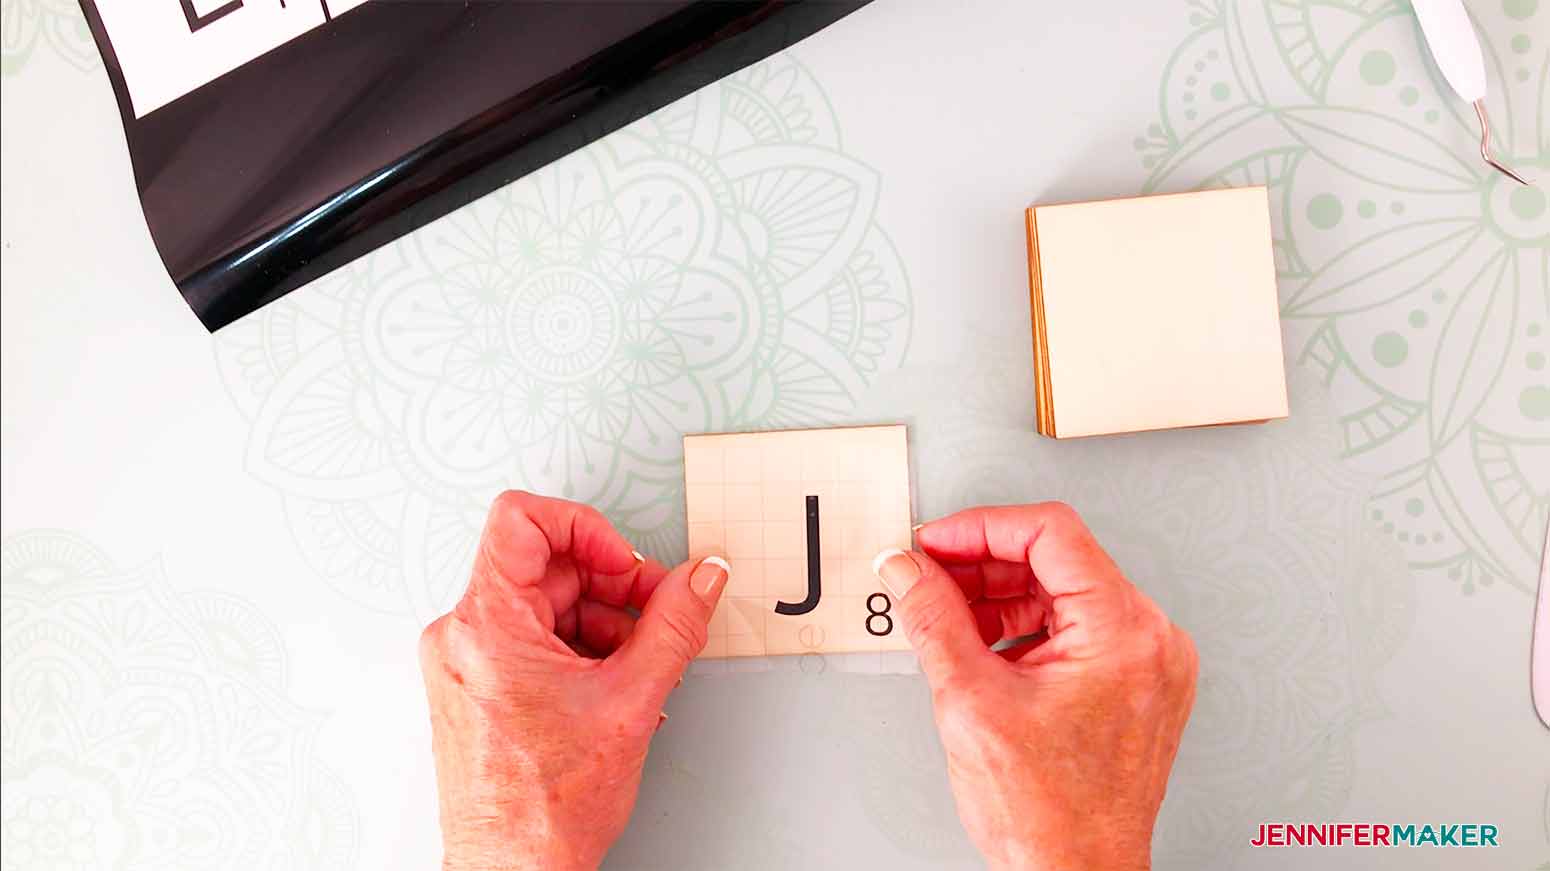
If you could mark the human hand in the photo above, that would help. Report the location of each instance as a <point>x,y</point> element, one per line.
<point>1058,749</point>
<point>539,745</point>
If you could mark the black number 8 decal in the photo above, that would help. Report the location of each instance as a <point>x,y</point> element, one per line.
<point>873,612</point>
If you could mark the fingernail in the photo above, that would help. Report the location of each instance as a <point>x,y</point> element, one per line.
<point>916,528</point>
<point>896,570</point>
<point>638,557</point>
<point>708,577</point>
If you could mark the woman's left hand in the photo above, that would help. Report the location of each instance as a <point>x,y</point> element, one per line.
<point>545,690</point>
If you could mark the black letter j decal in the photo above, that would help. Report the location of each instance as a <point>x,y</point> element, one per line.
<point>814,563</point>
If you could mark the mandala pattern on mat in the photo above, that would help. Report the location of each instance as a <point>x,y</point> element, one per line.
<point>715,266</point>
<point>1414,279</point>
<point>1255,539</point>
<point>25,25</point>
<point>147,728</point>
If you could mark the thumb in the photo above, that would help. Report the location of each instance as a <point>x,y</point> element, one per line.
<point>934,612</point>
<point>672,628</point>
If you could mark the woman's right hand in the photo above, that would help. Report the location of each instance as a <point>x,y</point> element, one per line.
<point>1058,749</point>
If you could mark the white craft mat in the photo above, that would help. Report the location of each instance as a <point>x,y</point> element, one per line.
<point>218,551</point>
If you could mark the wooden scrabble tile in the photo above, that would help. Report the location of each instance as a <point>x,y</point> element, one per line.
<point>1155,312</point>
<point>799,514</point>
